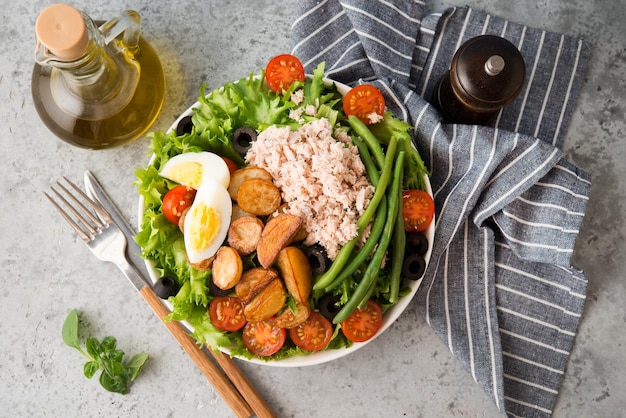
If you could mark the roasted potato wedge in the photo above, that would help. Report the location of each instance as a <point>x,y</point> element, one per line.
<point>302,233</point>
<point>244,234</point>
<point>253,281</point>
<point>287,318</point>
<point>277,234</point>
<point>238,213</point>
<point>267,303</point>
<point>295,270</point>
<point>258,197</point>
<point>227,268</point>
<point>243,174</point>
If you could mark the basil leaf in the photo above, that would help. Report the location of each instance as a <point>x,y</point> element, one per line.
<point>90,368</point>
<point>115,355</point>
<point>93,347</point>
<point>112,367</point>
<point>108,343</point>
<point>135,364</point>
<point>115,376</point>
<point>70,330</point>
<point>117,368</point>
<point>118,383</point>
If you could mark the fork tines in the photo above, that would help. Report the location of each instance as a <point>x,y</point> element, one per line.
<point>88,221</point>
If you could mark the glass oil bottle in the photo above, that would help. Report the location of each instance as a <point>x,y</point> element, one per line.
<point>95,87</point>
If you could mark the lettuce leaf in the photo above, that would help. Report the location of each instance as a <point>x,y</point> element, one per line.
<point>414,168</point>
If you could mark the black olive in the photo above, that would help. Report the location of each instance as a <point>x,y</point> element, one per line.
<point>416,242</point>
<point>414,266</point>
<point>216,291</point>
<point>184,126</point>
<point>243,138</point>
<point>317,259</point>
<point>166,287</point>
<point>328,306</point>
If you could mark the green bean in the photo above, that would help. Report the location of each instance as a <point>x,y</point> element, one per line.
<point>395,197</point>
<point>397,257</point>
<point>365,250</point>
<point>373,268</point>
<point>368,137</point>
<point>344,254</point>
<point>369,294</point>
<point>366,157</point>
<point>377,227</point>
<point>399,236</point>
<point>370,275</point>
<point>335,268</point>
<point>339,276</point>
<point>381,188</point>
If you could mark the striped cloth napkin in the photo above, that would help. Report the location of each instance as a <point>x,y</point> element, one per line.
<point>499,290</point>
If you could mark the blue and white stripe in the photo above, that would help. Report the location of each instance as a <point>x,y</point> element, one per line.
<point>499,290</point>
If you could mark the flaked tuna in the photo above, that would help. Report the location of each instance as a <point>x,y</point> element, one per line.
<point>321,177</point>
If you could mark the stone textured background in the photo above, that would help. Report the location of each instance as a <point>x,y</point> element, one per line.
<point>407,373</point>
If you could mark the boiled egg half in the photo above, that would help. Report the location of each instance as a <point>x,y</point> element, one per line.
<point>207,222</point>
<point>192,168</point>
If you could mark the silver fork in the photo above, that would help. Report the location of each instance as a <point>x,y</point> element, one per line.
<point>94,225</point>
<point>105,239</point>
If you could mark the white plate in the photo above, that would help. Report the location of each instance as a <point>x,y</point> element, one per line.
<point>319,357</point>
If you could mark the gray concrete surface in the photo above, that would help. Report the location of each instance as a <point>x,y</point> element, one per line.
<point>407,373</point>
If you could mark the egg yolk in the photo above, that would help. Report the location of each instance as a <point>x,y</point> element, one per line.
<point>190,173</point>
<point>206,226</point>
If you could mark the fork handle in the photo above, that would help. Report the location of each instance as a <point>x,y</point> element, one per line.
<point>220,382</point>
<point>208,368</point>
<point>243,398</point>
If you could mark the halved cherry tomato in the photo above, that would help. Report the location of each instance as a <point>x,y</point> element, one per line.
<point>226,313</point>
<point>418,210</point>
<point>314,334</point>
<point>281,72</point>
<point>176,201</point>
<point>363,323</point>
<point>363,100</point>
<point>232,167</point>
<point>263,338</point>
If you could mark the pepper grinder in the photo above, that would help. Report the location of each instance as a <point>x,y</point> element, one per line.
<point>487,73</point>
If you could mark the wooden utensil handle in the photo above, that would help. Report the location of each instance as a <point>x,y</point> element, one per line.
<point>221,384</point>
<point>240,381</point>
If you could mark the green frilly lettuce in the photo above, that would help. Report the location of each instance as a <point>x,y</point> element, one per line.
<point>414,168</point>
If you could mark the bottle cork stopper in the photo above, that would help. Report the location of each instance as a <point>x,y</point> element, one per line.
<point>61,29</point>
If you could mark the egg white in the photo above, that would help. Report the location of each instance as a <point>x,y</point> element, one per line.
<point>211,198</point>
<point>192,168</point>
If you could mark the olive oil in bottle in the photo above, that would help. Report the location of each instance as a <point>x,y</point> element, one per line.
<point>95,87</point>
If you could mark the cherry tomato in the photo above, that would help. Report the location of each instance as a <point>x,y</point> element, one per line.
<point>363,100</point>
<point>232,167</point>
<point>314,334</point>
<point>176,201</point>
<point>263,338</point>
<point>226,313</point>
<point>418,210</point>
<point>281,72</point>
<point>363,323</point>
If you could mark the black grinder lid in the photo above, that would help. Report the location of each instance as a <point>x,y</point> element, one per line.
<point>487,72</point>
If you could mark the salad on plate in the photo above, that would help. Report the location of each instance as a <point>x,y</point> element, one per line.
<point>286,218</point>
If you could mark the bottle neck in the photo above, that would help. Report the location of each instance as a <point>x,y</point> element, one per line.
<point>91,70</point>
<point>100,82</point>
